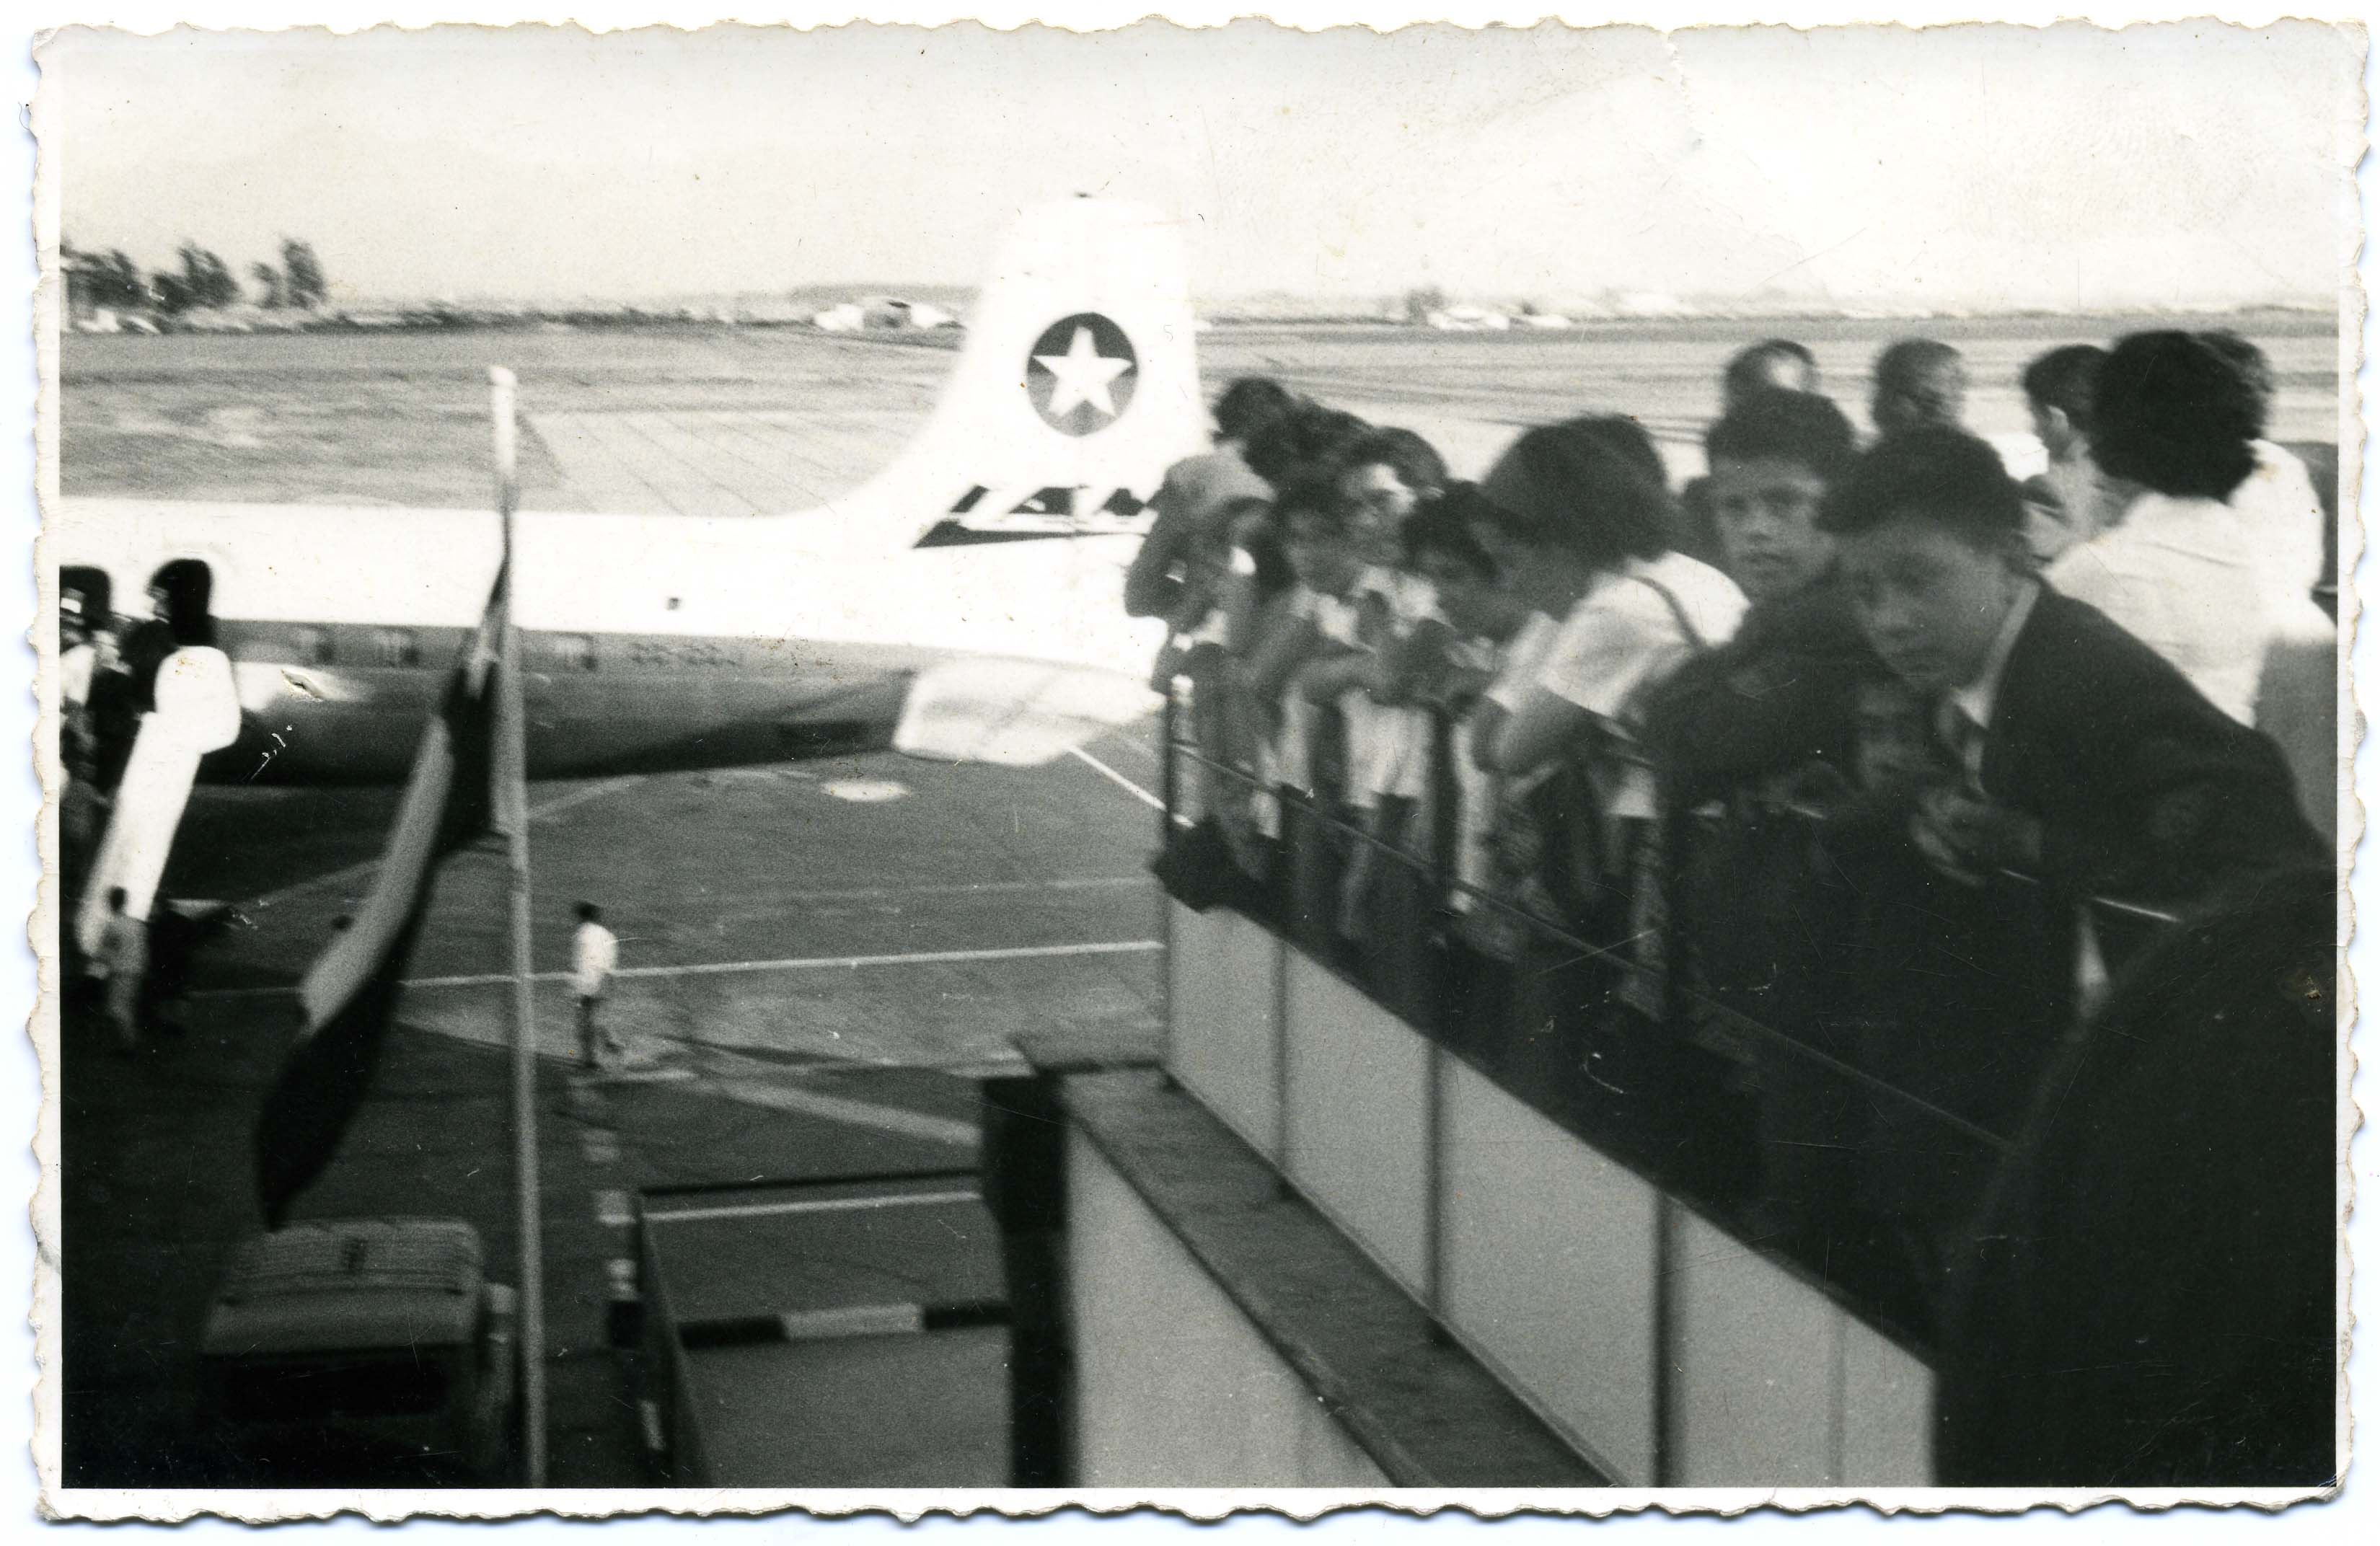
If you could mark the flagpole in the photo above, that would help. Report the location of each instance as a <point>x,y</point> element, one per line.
<point>512,809</point>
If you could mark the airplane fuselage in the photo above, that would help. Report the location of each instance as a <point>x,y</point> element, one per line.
<point>596,703</point>
<point>647,641</point>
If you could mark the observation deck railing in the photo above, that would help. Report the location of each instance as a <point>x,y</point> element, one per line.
<point>1709,1248</point>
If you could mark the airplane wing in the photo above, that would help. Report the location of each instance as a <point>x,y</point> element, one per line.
<point>1013,713</point>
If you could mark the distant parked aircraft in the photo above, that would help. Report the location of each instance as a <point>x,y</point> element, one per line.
<point>1468,319</point>
<point>883,311</point>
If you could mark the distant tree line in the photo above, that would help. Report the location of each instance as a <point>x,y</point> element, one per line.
<point>203,281</point>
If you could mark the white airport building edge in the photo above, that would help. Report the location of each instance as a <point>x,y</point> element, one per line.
<point>1304,1245</point>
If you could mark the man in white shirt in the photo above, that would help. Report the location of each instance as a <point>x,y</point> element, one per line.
<point>594,956</point>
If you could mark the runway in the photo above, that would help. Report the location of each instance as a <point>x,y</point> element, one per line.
<point>712,463</point>
<point>401,417</point>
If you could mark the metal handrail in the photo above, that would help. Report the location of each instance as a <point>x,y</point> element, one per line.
<point>1443,805</point>
<point>1737,1019</point>
<point>1305,802</point>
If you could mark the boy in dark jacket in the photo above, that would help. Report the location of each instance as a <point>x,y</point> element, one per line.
<point>2077,765</point>
<point>1778,693</point>
<point>1764,919</point>
<point>2089,762</point>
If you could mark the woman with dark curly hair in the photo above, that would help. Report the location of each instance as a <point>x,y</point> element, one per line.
<point>2174,428</point>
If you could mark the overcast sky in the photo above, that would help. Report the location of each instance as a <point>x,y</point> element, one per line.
<point>1969,167</point>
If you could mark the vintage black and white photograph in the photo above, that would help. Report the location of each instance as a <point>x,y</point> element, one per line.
<point>1564,765</point>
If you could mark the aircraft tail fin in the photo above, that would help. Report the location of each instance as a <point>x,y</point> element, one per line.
<point>1076,387</point>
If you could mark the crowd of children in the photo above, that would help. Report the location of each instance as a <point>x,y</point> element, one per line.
<point>1880,763</point>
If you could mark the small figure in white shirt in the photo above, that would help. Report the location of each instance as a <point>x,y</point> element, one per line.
<point>594,956</point>
<point>123,965</point>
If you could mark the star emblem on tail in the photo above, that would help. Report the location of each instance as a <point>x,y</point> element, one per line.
<point>1080,374</point>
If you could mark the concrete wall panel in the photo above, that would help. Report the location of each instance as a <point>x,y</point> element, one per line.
<point>1174,1387</point>
<point>1224,1037</point>
<point>1548,1262</point>
<point>1888,1412</point>
<point>1755,1394</point>
<point>1358,1128</point>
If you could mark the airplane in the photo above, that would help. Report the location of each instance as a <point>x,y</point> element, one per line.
<point>968,600</point>
<point>883,311</point>
<point>1002,531</point>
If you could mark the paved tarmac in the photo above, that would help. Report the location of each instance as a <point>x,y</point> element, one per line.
<point>819,959</point>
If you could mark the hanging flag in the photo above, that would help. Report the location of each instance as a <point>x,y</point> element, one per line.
<point>350,992</point>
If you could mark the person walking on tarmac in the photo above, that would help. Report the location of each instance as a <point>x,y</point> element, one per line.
<point>123,966</point>
<point>594,956</point>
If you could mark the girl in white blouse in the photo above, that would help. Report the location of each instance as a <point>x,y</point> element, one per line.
<point>1583,522</point>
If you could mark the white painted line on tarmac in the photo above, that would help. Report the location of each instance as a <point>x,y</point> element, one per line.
<point>722,968</point>
<point>1153,801</point>
<point>578,797</point>
<point>300,887</point>
<point>852,1112</point>
<point>950,889</point>
<point>867,792</point>
<point>815,1205</point>
<point>667,1075</point>
<point>612,1209</point>
<point>1119,739</point>
<point>915,958</point>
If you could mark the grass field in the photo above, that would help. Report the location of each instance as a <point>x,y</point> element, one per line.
<point>402,418</point>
